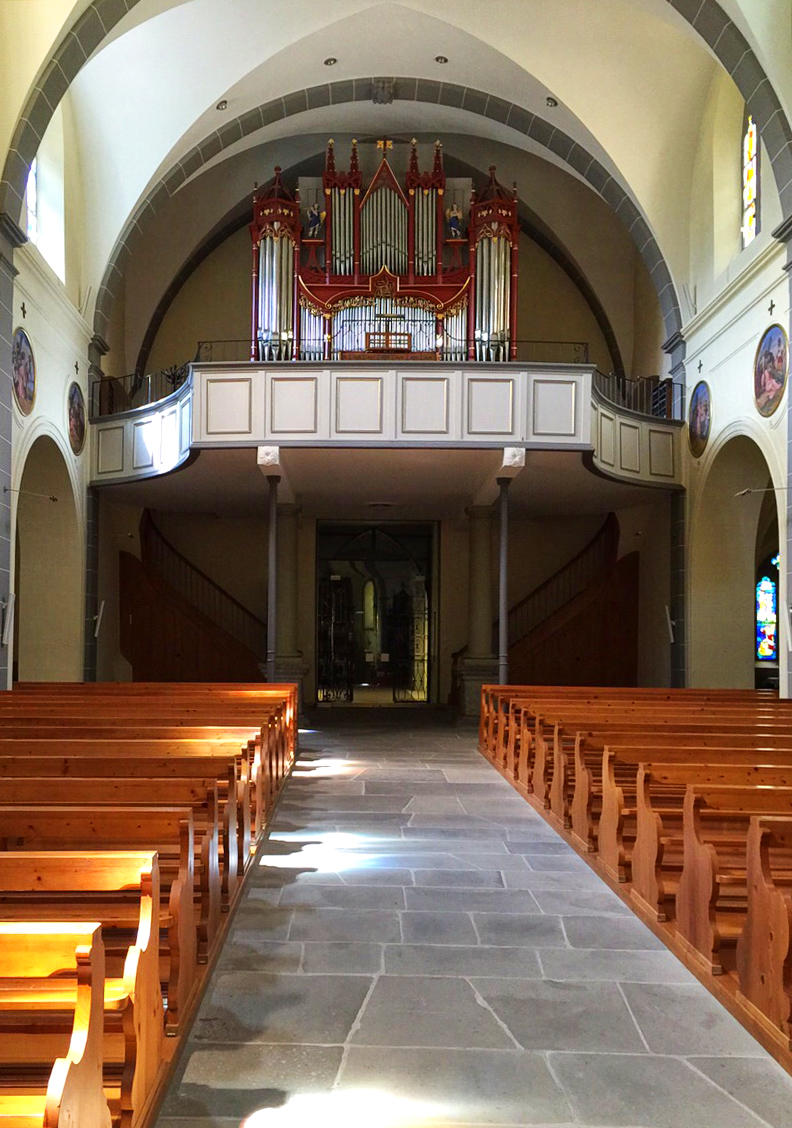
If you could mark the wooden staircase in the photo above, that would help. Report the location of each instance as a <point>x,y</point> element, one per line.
<point>578,627</point>
<point>177,624</point>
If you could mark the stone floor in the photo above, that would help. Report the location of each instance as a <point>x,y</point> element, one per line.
<point>418,947</point>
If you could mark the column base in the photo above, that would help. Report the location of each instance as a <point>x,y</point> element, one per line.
<point>475,673</point>
<point>290,668</point>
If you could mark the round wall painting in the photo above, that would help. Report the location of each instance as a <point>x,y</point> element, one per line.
<point>23,367</point>
<point>699,419</point>
<point>771,365</point>
<point>76,412</point>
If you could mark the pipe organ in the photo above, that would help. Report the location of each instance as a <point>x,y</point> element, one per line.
<point>423,270</point>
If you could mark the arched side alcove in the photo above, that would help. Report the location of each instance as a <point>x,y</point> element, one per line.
<point>725,535</point>
<point>48,610</point>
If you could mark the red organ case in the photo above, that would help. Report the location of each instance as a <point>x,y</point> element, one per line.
<point>424,270</point>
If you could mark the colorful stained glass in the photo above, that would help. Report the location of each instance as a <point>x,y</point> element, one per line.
<point>766,620</point>
<point>750,182</point>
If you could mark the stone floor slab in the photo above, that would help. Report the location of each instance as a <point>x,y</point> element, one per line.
<point>423,1011</point>
<point>655,1092</point>
<point>550,1015</point>
<point>447,959</point>
<point>248,1006</point>
<point>686,1020</point>
<point>345,924</point>
<point>462,1087</point>
<point>437,928</point>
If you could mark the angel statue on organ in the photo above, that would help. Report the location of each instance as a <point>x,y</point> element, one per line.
<point>454,218</point>
<point>315,221</point>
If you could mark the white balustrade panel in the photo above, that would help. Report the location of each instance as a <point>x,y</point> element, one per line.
<point>142,443</point>
<point>631,447</point>
<point>358,404</point>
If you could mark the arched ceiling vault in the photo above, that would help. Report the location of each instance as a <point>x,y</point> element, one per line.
<point>510,38</point>
<point>239,216</point>
<point>515,118</point>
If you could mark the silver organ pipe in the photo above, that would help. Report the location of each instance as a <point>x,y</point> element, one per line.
<point>493,288</point>
<point>342,233</point>
<point>426,232</point>
<point>276,297</point>
<point>383,232</point>
<point>312,331</point>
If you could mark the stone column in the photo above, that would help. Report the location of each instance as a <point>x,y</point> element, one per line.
<point>480,665</point>
<point>289,663</point>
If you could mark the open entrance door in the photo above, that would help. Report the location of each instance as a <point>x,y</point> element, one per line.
<point>373,613</point>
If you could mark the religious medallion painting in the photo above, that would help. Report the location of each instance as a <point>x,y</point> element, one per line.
<point>24,369</point>
<point>76,414</point>
<point>771,364</point>
<point>699,419</point>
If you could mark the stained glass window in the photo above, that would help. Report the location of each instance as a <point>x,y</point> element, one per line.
<point>766,620</point>
<point>750,181</point>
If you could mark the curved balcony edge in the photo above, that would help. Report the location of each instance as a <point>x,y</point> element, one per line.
<point>633,448</point>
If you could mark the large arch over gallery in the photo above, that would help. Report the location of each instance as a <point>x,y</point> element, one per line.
<point>48,570</point>
<point>735,530</point>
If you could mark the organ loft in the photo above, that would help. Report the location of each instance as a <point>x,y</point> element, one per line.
<point>400,265</point>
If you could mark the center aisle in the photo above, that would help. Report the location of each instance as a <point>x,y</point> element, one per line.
<point>418,947</point>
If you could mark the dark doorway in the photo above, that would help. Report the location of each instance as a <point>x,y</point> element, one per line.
<point>373,612</point>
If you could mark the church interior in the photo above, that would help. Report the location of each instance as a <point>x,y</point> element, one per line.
<point>394,576</point>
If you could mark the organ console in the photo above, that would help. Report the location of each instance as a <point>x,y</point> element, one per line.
<point>424,270</point>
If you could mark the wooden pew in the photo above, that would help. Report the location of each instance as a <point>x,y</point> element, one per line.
<point>200,795</point>
<point>122,892</point>
<point>142,760</point>
<point>606,780</point>
<point>711,899</point>
<point>168,830</point>
<point>664,775</point>
<point>764,949</point>
<point>71,1094</point>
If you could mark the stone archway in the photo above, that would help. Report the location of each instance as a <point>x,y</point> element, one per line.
<point>726,533</point>
<point>49,609</point>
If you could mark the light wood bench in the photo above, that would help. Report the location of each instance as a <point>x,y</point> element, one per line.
<point>58,1084</point>
<point>166,830</point>
<point>122,892</point>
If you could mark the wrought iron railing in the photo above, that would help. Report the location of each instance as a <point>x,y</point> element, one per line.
<point>200,590</point>
<point>114,394</point>
<point>660,397</point>
<point>537,352</point>
<point>590,565</point>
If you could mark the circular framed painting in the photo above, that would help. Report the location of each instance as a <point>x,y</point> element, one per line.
<point>23,367</point>
<point>699,419</point>
<point>771,366</point>
<point>76,416</point>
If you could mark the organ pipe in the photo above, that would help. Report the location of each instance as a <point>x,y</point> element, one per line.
<point>385,276</point>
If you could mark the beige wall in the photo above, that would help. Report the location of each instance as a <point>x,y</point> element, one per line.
<point>118,532</point>
<point>213,305</point>
<point>551,308</point>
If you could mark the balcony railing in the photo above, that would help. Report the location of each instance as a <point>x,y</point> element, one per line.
<point>657,396</point>
<point>536,352</point>
<point>114,394</point>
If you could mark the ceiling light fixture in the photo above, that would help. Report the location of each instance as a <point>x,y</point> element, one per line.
<point>330,62</point>
<point>380,505</point>
<point>551,101</point>
<point>441,59</point>
<point>222,105</point>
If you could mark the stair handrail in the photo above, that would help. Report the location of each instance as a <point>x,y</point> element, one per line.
<point>198,588</point>
<point>593,561</point>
